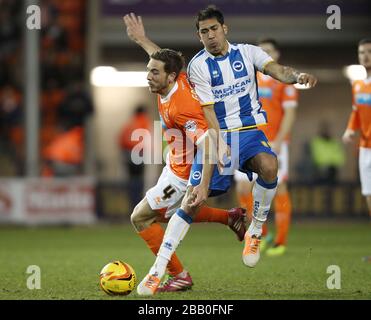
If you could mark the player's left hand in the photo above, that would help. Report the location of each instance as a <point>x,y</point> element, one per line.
<point>307,79</point>
<point>199,196</point>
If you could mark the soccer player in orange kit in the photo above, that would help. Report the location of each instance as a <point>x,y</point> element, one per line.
<point>280,101</point>
<point>184,127</point>
<point>360,120</point>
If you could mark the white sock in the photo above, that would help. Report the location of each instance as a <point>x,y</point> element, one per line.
<point>263,194</point>
<point>176,230</point>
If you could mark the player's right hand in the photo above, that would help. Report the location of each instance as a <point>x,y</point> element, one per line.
<point>348,136</point>
<point>134,27</point>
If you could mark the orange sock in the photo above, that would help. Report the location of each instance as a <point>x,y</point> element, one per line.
<point>153,236</point>
<point>283,208</point>
<point>208,214</point>
<point>265,229</point>
<point>245,201</point>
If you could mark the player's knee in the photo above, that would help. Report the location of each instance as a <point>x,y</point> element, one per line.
<point>134,217</point>
<point>268,169</point>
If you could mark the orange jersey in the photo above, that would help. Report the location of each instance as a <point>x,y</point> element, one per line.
<point>275,97</point>
<point>181,110</point>
<point>360,118</point>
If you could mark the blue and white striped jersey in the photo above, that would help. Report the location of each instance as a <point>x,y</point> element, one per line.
<point>229,82</point>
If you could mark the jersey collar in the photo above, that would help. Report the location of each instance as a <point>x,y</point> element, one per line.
<point>223,57</point>
<point>172,91</point>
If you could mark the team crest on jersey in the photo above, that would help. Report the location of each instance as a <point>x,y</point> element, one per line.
<point>190,126</point>
<point>237,66</point>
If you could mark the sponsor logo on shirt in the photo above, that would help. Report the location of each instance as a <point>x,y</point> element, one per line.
<point>236,88</point>
<point>265,92</point>
<point>363,98</point>
<point>190,126</point>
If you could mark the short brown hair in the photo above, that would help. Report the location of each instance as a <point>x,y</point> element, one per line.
<point>174,60</point>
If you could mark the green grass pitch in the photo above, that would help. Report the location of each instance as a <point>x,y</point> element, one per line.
<point>71,258</point>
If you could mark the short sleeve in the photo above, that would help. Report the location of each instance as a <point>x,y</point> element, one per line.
<point>259,57</point>
<point>199,79</point>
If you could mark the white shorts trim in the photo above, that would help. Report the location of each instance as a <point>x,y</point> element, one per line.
<point>176,188</point>
<point>365,170</point>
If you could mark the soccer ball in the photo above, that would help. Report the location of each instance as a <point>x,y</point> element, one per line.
<point>117,278</point>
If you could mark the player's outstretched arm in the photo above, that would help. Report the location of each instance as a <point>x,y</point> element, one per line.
<point>136,32</point>
<point>289,75</point>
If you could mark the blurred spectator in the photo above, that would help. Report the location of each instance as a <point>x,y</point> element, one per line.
<point>9,32</point>
<point>76,106</point>
<point>327,154</point>
<point>139,120</point>
<point>62,49</point>
<point>11,133</point>
<point>4,74</point>
<point>64,156</point>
